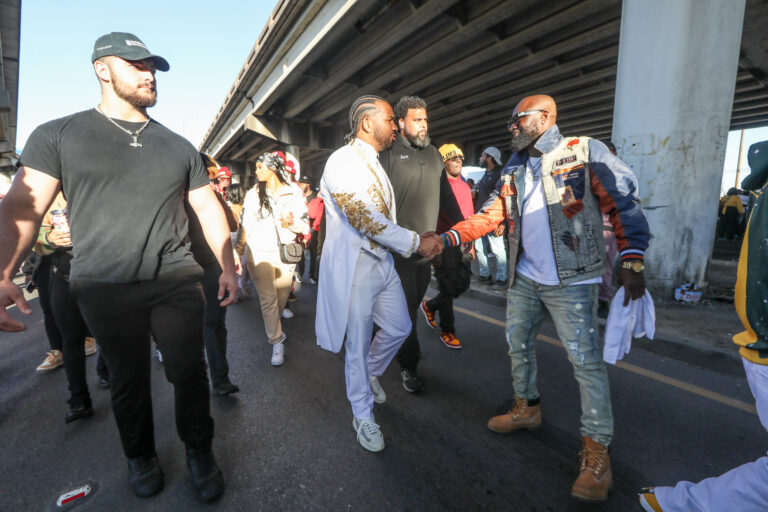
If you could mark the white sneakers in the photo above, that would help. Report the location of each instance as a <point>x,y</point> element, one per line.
<point>287,313</point>
<point>368,434</point>
<point>379,396</point>
<point>278,353</point>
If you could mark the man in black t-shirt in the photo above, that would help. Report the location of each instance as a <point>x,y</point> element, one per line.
<point>125,178</point>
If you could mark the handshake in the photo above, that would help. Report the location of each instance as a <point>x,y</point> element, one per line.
<point>430,244</point>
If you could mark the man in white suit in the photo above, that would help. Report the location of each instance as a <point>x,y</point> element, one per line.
<point>358,282</point>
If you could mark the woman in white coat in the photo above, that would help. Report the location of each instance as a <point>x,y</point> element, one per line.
<point>274,213</point>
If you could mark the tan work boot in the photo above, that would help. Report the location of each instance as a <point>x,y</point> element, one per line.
<point>595,478</point>
<point>521,416</point>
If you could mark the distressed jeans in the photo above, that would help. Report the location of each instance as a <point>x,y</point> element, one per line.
<point>574,312</point>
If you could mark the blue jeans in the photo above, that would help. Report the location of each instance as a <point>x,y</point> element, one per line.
<point>494,245</point>
<point>574,312</point>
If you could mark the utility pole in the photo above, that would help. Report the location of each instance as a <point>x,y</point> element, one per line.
<point>738,165</point>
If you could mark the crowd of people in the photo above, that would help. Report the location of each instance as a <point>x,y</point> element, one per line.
<point>162,259</point>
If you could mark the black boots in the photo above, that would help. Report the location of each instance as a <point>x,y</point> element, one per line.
<point>146,476</point>
<point>206,475</point>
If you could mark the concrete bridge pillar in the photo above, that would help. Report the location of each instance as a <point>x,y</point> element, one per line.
<point>674,94</point>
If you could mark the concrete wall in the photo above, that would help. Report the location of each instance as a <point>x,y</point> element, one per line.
<point>674,94</point>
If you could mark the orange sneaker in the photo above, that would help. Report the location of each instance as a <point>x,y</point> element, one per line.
<point>428,315</point>
<point>450,340</point>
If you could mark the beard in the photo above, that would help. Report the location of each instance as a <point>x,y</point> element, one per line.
<point>416,141</point>
<point>524,139</point>
<point>142,97</point>
<point>383,137</point>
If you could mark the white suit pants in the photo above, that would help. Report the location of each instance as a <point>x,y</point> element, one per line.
<point>744,488</point>
<point>376,296</point>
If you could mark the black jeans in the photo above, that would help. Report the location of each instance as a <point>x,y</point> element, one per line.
<point>73,332</point>
<point>449,284</point>
<point>43,280</point>
<point>314,259</point>
<point>120,317</point>
<point>415,275</point>
<point>215,334</point>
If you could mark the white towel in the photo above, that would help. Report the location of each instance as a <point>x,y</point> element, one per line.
<point>635,320</point>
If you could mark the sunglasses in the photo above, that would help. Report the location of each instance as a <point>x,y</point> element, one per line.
<point>516,118</point>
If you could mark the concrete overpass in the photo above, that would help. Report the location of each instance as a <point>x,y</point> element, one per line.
<point>10,20</point>
<point>472,60</point>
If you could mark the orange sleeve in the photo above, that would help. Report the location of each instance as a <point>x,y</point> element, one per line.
<point>476,225</point>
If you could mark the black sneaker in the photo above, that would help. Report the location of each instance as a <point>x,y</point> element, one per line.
<point>146,476</point>
<point>225,388</point>
<point>411,382</point>
<point>78,412</point>
<point>206,475</point>
<point>499,285</point>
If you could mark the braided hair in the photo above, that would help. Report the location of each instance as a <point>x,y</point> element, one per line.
<point>360,106</point>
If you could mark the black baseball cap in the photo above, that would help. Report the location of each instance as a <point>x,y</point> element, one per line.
<point>126,46</point>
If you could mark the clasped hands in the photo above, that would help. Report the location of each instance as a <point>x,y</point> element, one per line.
<point>430,244</point>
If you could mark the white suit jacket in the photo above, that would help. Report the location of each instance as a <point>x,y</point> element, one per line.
<point>359,215</point>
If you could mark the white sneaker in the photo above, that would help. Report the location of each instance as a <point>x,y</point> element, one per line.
<point>379,396</point>
<point>278,354</point>
<point>287,313</point>
<point>368,434</point>
<point>90,346</point>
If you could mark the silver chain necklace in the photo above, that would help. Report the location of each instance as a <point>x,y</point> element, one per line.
<point>135,135</point>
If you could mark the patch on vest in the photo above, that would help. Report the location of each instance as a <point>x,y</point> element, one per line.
<point>573,208</point>
<point>566,160</point>
<point>572,143</point>
<point>570,183</point>
<point>570,240</point>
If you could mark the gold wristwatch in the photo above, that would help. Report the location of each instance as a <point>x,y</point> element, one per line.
<point>635,266</point>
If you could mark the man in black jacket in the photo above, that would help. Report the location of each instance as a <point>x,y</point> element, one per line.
<point>453,267</point>
<point>414,167</point>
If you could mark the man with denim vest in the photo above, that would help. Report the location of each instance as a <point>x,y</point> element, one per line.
<point>551,194</point>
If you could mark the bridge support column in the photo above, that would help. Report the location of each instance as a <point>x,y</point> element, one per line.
<point>674,94</point>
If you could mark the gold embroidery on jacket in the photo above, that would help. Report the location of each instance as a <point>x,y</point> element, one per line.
<point>357,214</point>
<point>378,200</point>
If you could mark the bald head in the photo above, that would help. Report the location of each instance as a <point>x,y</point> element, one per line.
<point>533,116</point>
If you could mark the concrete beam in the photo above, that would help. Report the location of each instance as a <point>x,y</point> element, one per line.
<point>544,55</point>
<point>523,85</point>
<point>370,46</point>
<point>515,41</point>
<point>287,132</point>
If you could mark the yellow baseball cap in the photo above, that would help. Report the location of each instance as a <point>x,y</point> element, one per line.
<point>449,151</point>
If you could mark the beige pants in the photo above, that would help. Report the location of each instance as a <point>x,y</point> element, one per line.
<point>272,280</point>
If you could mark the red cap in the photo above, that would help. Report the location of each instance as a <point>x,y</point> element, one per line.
<point>224,173</point>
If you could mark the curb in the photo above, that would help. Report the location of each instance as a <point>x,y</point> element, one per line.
<point>719,360</point>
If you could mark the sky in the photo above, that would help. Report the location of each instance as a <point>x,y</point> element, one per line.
<point>205,43</point>
<point>206,47</point>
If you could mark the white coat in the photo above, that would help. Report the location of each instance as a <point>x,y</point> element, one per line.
<point>359,216</point>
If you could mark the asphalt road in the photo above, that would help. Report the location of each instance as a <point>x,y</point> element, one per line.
<point>286,442</point>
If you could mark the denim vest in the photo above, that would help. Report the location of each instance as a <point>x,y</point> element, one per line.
<point>575,220</point>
